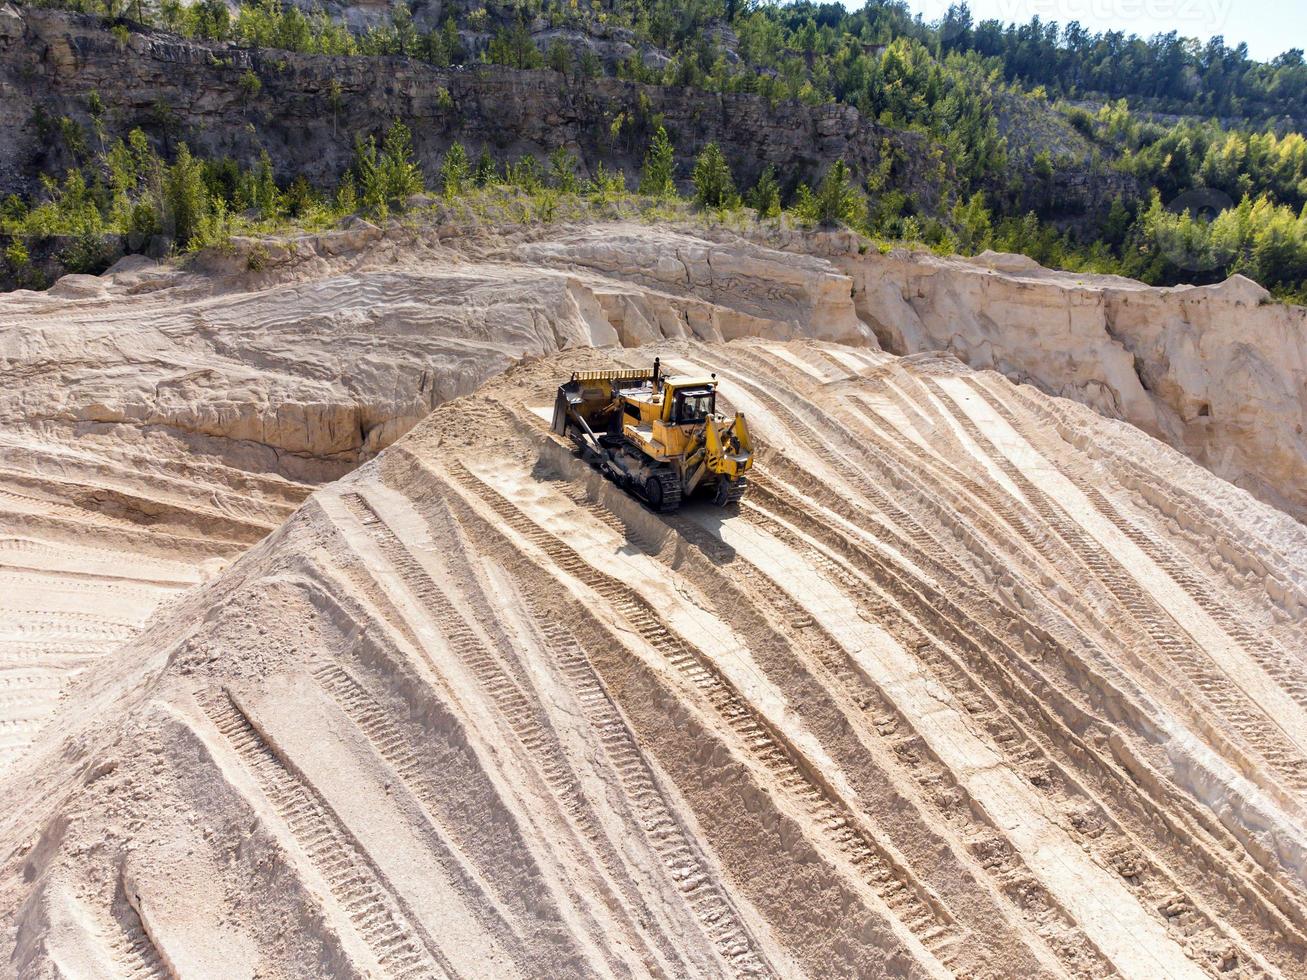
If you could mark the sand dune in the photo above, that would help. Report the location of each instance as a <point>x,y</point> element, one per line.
<point>973,683</point>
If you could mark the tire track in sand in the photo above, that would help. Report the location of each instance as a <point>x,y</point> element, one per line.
<point>909,901</point>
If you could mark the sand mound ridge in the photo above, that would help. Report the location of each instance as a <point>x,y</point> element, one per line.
<point>973,683</point>
<point>155,422</point>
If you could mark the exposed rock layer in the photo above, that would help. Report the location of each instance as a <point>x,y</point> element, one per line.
<point>177,89</point>
<point>309,108</point>
<point>1219,372</point>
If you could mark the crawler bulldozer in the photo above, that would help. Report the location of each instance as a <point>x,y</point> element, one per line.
<point>658,437</point>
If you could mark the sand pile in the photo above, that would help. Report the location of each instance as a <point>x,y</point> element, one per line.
<point>155,423</point>
<point>974,682</point>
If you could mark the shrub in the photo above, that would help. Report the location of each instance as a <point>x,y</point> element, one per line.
<point>605,183</point>
<point>525,174</point>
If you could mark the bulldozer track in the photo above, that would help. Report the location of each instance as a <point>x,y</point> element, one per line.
<point>389,742</point>
<point>1061,555</point>
<point>355,884</point>
<point>1272,657</point>
<point>943,802</point>
<point>936,643</point>
<point>532,732</point>
<point>827,431</point>
<point>714,910</point>
<point>909,901</point>
<point>907,536</point>
<point>1250,719</point>
<point>134,953</point>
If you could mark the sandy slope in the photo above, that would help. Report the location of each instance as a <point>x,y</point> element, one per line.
<point>973,683</point>
<point>155,423</point>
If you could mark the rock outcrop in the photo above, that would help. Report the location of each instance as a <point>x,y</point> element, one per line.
<point>309,107</point>
<point>1219,372</point>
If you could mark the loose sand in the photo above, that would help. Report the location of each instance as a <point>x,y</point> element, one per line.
<point>947,695</point>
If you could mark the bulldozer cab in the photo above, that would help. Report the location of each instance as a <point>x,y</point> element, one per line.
<point>689,404</point>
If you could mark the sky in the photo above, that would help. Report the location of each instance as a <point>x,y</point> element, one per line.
<point>1267,26</point>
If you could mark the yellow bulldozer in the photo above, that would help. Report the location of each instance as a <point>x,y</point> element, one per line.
<point>659,437</point>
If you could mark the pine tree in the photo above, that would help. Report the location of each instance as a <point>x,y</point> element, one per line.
<point>185,197</point>
<point>562,171</point>
<point>713,185</point>
<point>454,170</point>
<point>262,192</point>
<point>834,202</point>
<point>485,173</point>
<point>401,176</point>
<point>658,176</point>
<point>372,189</point>
<point>765,198</point>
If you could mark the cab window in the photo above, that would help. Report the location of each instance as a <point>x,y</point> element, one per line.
<point>693,406</point>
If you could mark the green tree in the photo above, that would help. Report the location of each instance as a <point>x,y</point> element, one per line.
<point>714,186</point>
<point>559,56</point>
<point>454,170</point>
<point>765,198</point>
<point>562,171</point>
<point>262,192</point>
<point>485,172</point>
<point>834,202</point>
<point>400,174</point>
<point>657,178</point>
<point>513,47</point>
<point>186,202</point>
<point>367,170</point>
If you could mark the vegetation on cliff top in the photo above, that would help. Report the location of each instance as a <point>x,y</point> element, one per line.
<point>1213,200</point>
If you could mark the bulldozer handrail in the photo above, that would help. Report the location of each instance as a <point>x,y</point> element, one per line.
<point>611,375</point>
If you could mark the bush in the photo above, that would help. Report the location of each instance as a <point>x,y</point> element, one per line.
<point>605,183</point>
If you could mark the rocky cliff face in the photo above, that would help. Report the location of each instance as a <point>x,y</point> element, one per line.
<point>181,90</point>
<point>309,108</point>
